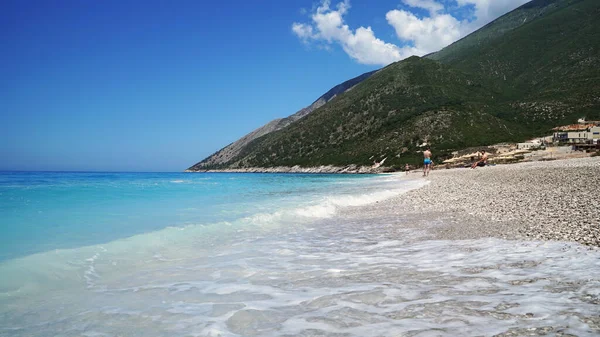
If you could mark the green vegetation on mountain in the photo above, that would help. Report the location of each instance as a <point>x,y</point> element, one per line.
<point>547,67</point>
<point>231,151</point>
<point>517,77</point>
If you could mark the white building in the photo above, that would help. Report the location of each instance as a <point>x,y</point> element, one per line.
<point>584,136</point>
<point>528,145</point>
<point>577,133</point>
<point>594,133</point>
<point>578,136</point>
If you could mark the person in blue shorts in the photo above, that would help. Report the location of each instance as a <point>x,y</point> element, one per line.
<point>427,162</point>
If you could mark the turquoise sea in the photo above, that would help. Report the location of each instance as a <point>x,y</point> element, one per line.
<point>215,254</point>
<point>46,211</point>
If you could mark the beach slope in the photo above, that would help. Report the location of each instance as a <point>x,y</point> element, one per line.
<point>555,200</point>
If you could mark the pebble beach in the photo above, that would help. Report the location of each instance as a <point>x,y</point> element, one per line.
<point>552,200</point>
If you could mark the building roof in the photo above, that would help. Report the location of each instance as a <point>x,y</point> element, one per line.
<point>574,127</point>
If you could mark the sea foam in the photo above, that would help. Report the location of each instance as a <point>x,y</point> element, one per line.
<point>288,266</point>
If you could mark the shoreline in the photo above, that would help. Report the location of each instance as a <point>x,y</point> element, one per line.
<point>323,169</point>
<point>538,156</point>
<point>546,201</point>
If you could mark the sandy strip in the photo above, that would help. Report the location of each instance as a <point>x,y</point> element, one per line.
<point>556,200</point>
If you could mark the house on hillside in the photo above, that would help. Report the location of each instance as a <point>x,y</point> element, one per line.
<point>577,137</point>
<point>581,137</point>
<point>595,133</point>
<point>577,134</point>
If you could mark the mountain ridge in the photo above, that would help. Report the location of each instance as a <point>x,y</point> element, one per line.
<point>514,78</point>
<point>232,150</point>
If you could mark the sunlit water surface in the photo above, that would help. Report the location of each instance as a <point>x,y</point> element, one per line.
<point>280,264</point>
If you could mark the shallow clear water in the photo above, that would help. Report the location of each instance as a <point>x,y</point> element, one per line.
<point>46,211</point>
<point>283,264</point>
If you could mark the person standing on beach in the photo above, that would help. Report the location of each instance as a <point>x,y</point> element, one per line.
<point>407,168</point>
<point>426,162</point>
<point>482,161</point>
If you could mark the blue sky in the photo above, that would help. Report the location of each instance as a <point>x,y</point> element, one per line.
<point>159,85</point>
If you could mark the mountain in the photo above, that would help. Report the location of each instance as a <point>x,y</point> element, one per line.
<point>520,75</point>
<point>232,150</point>
<point>486,35</point>
<point>543,57</point>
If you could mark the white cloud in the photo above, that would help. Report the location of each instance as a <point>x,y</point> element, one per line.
<point>489,10</point>
<point>303,31</point>
<point>328,26</point>
<point>431,5</point>
<point>428,34</point>
<point>419,36</point>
